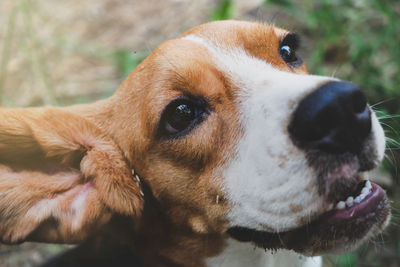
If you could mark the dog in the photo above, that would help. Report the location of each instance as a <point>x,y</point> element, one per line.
<point>218,147</point>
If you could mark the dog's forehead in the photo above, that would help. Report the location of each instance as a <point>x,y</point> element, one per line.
<point>238,33</point>
<point>217,61</point>
<point>191,60</point>
<point>258,40</point>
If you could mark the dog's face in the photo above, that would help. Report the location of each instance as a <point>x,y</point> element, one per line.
<point>232,135</point>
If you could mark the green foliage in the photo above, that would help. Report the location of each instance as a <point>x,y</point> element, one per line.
<point>224,10</point>
<point>287,4</point>
<point>348,260</point>
<point>127,60</point>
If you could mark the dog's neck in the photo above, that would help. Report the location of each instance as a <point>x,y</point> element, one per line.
<point>238,254</point>
<point>157,240</point>
<point>176,248</point>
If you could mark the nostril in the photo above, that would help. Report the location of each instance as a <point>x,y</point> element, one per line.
<point>335,118</point>
<point>359,101</point>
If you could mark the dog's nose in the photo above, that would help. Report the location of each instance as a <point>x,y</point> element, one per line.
<point>335,118</point>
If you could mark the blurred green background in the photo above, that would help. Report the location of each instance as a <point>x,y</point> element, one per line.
<point>66,52</point>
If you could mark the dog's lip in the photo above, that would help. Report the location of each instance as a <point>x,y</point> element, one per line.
<point>330,225</point>
<point>366,206</point>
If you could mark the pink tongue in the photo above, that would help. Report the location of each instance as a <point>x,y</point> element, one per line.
<point>368,205</point>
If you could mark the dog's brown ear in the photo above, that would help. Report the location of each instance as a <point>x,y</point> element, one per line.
<point>61,177</point>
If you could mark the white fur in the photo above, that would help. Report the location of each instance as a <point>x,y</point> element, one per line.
<point>51,207</point>
<point>261,182</point>
<point>269,184</point>
<point>379,135</point>
<point>241,254</point>
<point>78,207</point>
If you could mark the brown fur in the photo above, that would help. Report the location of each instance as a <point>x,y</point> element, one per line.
<point>39,148</point>
<point>54,154</point>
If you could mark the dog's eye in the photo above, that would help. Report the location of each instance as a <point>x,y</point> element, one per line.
<point>287,49</point>
<point>287,54</point>
<point>180,116</point>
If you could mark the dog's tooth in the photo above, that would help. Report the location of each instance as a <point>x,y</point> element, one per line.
<point>349,201</point>
<point>330,206</point>
<point>341,205</point>
<point>357,199</point>
<point>133,172</point>
<point>362,196</point>
<point>365,191</point>
<point>368,184</point>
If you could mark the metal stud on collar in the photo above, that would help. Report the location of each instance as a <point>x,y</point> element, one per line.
<point>137,180</point>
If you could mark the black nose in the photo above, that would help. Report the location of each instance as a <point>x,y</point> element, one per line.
<point>335,119</point>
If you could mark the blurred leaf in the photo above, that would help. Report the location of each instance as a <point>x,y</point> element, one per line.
<point>347,260</point>
<point>82,100</point>
<point>224,10</point>
<point>283,3</point>
<point>127,61</point>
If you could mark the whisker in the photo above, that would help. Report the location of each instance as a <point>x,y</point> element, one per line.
<point>380,102</point>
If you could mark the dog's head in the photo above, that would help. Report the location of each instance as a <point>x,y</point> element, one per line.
<point>230,134</point>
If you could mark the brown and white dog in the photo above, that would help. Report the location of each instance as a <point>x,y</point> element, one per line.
<point>235,150</point>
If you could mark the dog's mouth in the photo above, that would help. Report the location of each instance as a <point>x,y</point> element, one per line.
<point>361,211</point>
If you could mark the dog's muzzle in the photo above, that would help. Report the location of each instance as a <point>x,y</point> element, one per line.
<point>334,126</point>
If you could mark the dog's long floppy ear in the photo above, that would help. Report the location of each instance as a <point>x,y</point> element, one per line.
<point>61,177</point>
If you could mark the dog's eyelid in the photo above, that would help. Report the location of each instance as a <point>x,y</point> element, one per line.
<point>196,100</point>
<point>292,40</point>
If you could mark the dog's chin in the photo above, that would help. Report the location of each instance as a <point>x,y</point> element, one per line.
<point>334,231</point>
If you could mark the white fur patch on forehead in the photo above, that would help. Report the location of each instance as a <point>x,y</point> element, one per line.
<point>232,60</point>
<point>268,182</point>
<point>245,69</point>
<point>200,41</point>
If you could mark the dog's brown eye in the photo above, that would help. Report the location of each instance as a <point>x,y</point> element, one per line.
<point>180,116</point>
<point>288,54</point>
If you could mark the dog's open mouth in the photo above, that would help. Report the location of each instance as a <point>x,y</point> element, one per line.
<point>355,217</point>
<point>364,200</point>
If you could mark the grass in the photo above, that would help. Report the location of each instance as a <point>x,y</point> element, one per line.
<point>347,260</point>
